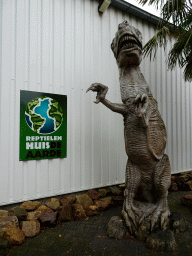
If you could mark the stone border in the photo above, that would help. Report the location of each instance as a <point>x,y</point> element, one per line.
<point>181,181</point>
<point>30,218</point>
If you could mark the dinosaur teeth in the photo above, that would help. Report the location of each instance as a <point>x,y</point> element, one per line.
<point>127,42</point>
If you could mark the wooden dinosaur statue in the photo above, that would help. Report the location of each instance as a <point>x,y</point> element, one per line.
<point>148,169</point>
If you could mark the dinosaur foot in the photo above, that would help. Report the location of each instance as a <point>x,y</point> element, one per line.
<point>163,215</point>
<point>131,215</point>
<point>143,218</point>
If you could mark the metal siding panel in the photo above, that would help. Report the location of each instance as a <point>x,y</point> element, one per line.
<point>54,164</point>
<point>169,115</point>
<point>96,109</point>
<point>76,101</point>
<point>19,83</point>
<point>163,89</point>
<point>12,101</point>
<point>87,104</point>
<point>108,79</point>
<point>1,33</point>
<point>190,118</point>
<point>179,131</point>
<point>66,164</point>
<point>32,83</point>
<point>45,84</point>
<point>174,121</point>
<point>39,84</point>
<point>5,98</point>
<point>188,131</point>
<point>183,124</point>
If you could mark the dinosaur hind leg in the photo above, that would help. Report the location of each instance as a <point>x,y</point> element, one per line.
<point>132,182</point>
<point>162,181</point>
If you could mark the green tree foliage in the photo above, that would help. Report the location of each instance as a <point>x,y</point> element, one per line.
<point>179,13</point>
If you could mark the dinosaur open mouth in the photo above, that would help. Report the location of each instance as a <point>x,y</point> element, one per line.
<point>128,42</point>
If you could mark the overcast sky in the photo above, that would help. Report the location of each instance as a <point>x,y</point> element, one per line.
<point>146,7</point>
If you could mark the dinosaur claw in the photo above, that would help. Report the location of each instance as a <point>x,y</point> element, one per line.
<point>141,219</point>
<point>165,219</point>
<point>155,218</point>
<point>132,216</point>
<point>88,89</point>
<point>92,88</point>
<point>128,223</point>
<point>135,101</point>
<point>144,97</point>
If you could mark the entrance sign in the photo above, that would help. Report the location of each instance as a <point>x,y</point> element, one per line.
<point>43,125</point>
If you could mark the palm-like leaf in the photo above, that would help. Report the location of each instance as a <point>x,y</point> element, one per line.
<point>159,39</point>
<point>180,14</point>
<point>175,10</point>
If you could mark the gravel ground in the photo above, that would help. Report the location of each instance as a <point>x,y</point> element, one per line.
<point>89,238</point>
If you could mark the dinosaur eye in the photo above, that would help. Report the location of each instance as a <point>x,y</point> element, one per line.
<point>125,22</point>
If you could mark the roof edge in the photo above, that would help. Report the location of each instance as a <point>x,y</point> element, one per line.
<point>138,12</point>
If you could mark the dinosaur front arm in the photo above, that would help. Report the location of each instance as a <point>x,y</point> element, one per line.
<point>101,93</point>
<point>119,108</point>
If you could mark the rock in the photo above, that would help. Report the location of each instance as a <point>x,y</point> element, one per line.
<point>116,228</point>
<point>173,178</point>
<point>53,203</point>
<point>189,184</point>
<point>143,231</point>
<point>103,192</point>
<point>34,215</point>
<point>70,199</point>
<point>122,186</point>
<point>187,200</point>
<point>93,194</point>
<point>10,221</point>
<point>14,235</point>
<point>178,222</point>
<point>117,200</point>
<point>43,209</point>
<point>92,210</point>
<point>3,214</point>
<point>30,228</point>
<point>173,186</point>
<point>103,203</point>
<point>162,241</point>
<point>84,200</point>
<point>181,183</point>
<point>6,222</point>
<point>115,190</point>
<point>78,212</point>
<point>4,247</point>
<point>66,213</point>
<point>30,205</point>
<point>185,176</point>
<point>19,212</point>
<point>48,219</point>
<point>2,231</point>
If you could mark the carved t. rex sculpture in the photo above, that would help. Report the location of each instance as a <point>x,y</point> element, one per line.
<point>148,168</point>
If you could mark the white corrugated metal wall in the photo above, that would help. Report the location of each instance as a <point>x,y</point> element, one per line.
<point>63,46</point>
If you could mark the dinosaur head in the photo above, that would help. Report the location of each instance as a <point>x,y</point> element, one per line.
<point>127,45</point>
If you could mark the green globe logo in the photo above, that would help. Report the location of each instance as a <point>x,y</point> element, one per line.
<point>43,115</point>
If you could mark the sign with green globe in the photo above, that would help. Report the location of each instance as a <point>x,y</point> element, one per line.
<point>43,125</point>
